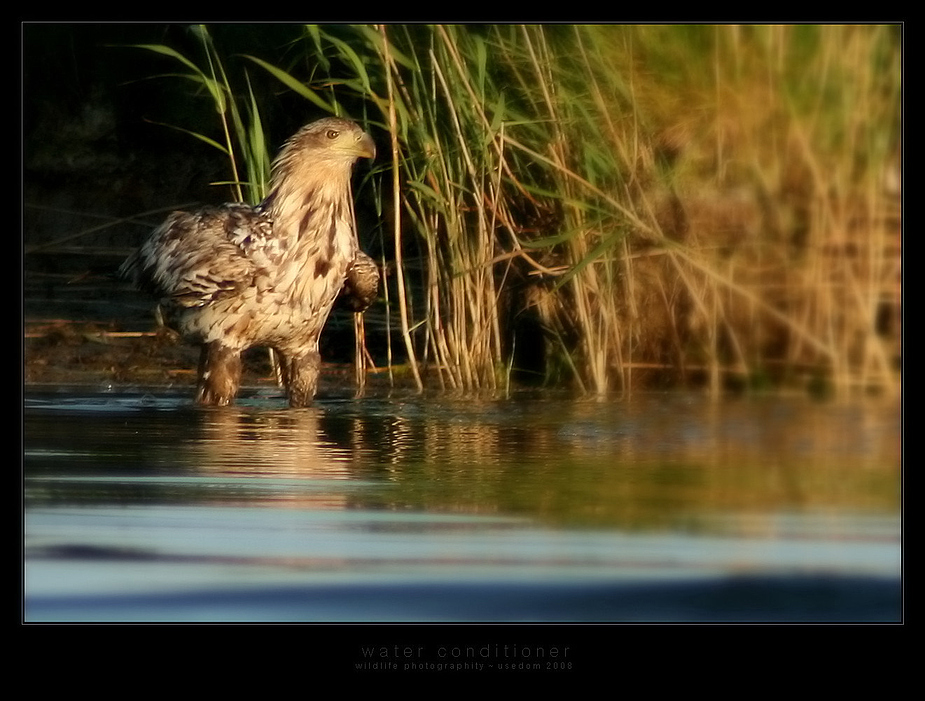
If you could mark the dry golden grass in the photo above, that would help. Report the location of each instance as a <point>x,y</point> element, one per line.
<point>620,206</point>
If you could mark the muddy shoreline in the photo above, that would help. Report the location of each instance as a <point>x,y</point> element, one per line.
<point>94,354</point>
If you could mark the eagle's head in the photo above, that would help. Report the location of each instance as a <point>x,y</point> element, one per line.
<point>314,167</point>
<point>331,141</point>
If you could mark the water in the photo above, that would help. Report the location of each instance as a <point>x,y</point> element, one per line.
<point>406,509</point>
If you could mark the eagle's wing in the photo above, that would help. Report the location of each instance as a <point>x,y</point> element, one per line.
<point>195,258</point>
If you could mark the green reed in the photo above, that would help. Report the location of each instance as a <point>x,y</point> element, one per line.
<point>663,204</point>
<point>243,139</point>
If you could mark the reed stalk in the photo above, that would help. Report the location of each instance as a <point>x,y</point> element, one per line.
<point>712,205</point>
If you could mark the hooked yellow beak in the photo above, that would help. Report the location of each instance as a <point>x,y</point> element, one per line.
<point>365,146</point>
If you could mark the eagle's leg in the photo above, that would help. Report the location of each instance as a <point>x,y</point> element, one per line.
<point>300,376</point>
<point>219,374</point>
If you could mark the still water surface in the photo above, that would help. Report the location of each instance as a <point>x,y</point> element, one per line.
<point>400,508</point>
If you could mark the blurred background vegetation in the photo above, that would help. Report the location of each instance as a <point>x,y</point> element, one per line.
<point>602,207</point>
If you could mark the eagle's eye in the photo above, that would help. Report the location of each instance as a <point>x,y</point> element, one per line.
<point>332,133</point>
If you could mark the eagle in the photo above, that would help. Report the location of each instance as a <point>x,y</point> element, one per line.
<point>235,276</point>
